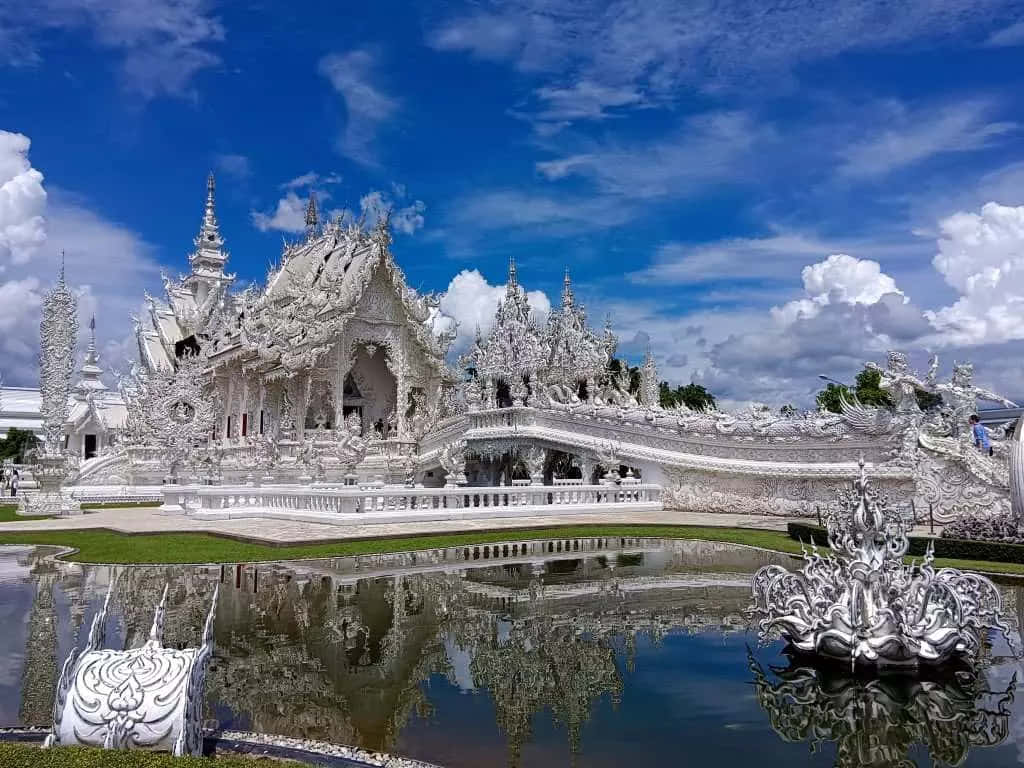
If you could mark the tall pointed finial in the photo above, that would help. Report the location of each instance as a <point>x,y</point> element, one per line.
<point>209,257</point>
<point>92,335</point>
<point>311,216</point>
<point>60,278</point>
<point>567,297</point>
<point>209,212</point>
<point>513,283</point>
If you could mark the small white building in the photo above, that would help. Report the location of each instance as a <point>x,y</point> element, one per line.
<point>96,414</point>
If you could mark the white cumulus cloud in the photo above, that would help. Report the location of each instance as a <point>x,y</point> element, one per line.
<point>22,201</point>
<point>838,279</point>
<point>288,216</point>
<point>981,255</point>
<point>35,228</point>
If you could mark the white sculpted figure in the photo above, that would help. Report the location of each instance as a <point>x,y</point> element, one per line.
<point>900,382</point>
<point>960,395</point>
<point>453,461</point>
<point>351,445</point>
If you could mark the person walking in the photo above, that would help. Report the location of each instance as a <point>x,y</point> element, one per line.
<point>981,441</point>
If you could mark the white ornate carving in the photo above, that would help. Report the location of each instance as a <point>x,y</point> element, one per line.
<point>148,697</point>
<point>453,461</point>
<point>171,409</point>
<point>864,605</point>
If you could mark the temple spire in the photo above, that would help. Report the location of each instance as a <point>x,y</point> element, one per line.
<point>312,220</point>
<point>90,374</point>
<point>512,285</point>
<point>91,352</point>
<point>210,215</point>
<point>209,257</point>
<point>567,296</point>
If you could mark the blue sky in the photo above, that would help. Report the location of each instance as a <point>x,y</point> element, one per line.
<point>695,167</point>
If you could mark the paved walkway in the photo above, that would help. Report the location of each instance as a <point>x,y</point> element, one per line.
<point>146,520</point>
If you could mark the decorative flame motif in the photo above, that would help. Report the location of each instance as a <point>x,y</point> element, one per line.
<point>864,605</point>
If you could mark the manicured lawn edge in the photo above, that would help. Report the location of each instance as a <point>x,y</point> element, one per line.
<point>9,514</point>
<point>110,547</point>
<point>14,755</point>
<point>119,504</point>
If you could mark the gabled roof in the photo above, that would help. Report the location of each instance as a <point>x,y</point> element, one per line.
<point>317,290</point>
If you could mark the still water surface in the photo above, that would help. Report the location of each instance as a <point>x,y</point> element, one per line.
<point>589,652</point>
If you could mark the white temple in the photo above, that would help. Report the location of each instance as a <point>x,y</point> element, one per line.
<point>332,374</point>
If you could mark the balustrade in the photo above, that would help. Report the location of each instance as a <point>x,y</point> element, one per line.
<point>379,498</point>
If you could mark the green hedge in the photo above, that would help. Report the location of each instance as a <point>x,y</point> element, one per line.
<point>13,755</point>
<point>957,549</point>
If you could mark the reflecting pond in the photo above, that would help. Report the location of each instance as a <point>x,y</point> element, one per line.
<point>590,652</point>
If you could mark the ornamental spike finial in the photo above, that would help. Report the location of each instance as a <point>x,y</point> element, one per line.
<point>90,354</point>
<point>567,297</point>
<point>208,258</point>
<point>209,210</point>
<point>312,220</point>
<point>513,282</point>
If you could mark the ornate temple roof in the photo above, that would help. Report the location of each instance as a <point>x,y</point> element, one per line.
<point>574,351</point>
<point>300,314</point>
<point>564,350</point>
<point>514,347</point>
<point>317,289</point>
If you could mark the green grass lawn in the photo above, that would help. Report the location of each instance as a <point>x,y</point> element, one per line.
<point>99,546</point>
<point>28,756</point>
<point>120,504</point>
<point>9,514</point>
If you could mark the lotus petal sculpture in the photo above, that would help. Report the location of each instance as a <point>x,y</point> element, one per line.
<point>863,605</point>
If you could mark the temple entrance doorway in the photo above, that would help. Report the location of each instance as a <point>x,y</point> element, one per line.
<point>90,446</point>
<point>371,390</point>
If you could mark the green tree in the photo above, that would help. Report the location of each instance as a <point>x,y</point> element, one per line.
<point>868,391</point>
<point>693,396</point>
<point>17,444</point>
<point>868,388</point>
<point>830,398</point>
<point>927,400</point>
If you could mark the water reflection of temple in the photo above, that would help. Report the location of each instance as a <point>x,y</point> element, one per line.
<point>876,721</point>
<point>340,649</point>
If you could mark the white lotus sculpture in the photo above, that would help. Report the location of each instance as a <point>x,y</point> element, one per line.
<point>861,604</point>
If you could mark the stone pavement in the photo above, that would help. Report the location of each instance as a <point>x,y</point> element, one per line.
<point>147,520</point>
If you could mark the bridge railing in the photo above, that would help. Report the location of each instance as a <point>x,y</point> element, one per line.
<point>368,498</point>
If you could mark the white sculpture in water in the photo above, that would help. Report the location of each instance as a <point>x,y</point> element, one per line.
<point>863,605</point>
<point>149,697</point>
